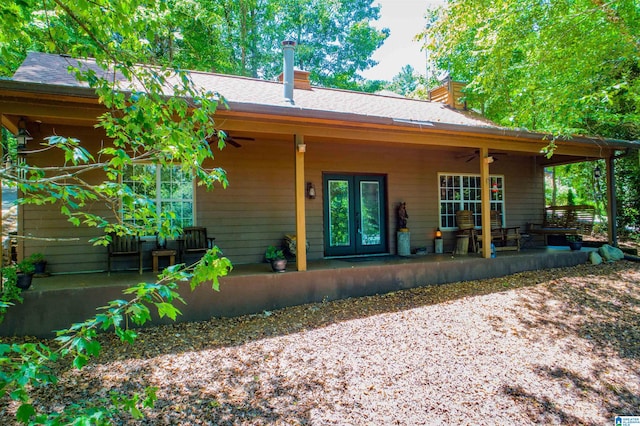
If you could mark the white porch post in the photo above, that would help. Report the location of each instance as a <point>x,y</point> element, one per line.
<point>486,205</point>
<point>300,189</point>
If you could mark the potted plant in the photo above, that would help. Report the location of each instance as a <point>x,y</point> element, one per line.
<point>25,274</point>
<point>277,259</point>
<point>39,263</point>
<point>574,242</point>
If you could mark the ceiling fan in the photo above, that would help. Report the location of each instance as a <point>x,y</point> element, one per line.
<point>476,154</point>
<point>231,140</point>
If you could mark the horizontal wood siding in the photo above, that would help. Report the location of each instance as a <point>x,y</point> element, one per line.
<point>456,88</point>
<point>258,207</point>
<point>408,172</point>
<point>65,246</point>
<point>439,94</point>
<point>412,177</point>
<point>449,93</point>
<point>524,189</point>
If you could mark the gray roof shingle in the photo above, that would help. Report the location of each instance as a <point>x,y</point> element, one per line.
<point>52,69</point>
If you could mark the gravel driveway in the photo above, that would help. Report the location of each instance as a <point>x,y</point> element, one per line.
<point>546,347</point>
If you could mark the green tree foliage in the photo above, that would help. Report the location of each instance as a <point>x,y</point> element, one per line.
<point>405,82</point>
<point>577,184</point>
<point>335,40</point>
<point>564,67</point>
<point>162,118</point>
<point>240,37</point>
<point>339,211</point>
<point>628,187</point>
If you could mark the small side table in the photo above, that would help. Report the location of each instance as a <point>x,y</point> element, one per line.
<point>164,252</point>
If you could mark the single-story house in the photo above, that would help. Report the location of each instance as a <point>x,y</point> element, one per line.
<point>329,166</point>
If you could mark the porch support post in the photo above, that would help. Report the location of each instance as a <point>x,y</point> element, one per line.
<point>486,205</point>
<point>612,228</point>
<point>300,189</point>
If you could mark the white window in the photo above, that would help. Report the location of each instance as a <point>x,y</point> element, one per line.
<point>462,192</point>
<point>168,189</point>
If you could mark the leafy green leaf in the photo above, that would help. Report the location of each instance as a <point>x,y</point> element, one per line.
<point>25,412</point>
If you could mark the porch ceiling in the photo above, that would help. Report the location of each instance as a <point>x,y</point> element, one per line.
<point>460,140</point>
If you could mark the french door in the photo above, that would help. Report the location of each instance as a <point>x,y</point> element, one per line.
<point>354,214</point>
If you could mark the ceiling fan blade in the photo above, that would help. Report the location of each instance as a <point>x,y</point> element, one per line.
<point>476,154</point>
<point>232,142</point>
<point>461,156</point>
<point>228,139</point>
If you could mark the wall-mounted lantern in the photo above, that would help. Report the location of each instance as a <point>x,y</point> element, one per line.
<point>23,135</point>
<point>311,190</point>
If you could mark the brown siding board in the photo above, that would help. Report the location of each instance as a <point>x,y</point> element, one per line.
<point>258,209</point>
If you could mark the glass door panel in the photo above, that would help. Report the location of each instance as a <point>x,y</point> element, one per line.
<point>354,214</point>
<point>370,213</point>
<point>339,213</point>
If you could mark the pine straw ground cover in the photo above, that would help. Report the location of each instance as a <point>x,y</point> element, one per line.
<point>545,347</point>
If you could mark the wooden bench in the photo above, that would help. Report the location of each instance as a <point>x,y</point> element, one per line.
<point>565,220</point>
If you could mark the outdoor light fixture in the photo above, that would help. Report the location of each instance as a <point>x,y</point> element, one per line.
<point>489,159</point>
<point>438,233</point>
<point>597,172</point>
<point>311,190</point>
<point>302,147</point>
<point>23,135</point>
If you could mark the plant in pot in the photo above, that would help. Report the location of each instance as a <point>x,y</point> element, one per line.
<point>277,259</point>
<point>25,274</point>
<point>39,263</point>
<point>574,242</point>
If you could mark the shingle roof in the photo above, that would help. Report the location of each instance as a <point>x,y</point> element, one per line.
<point>52,69</point>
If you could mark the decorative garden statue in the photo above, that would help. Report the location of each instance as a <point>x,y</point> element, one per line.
<point>402,217</point>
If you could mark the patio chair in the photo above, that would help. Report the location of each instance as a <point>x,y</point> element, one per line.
<point>124,246</point>
<point>467,226</point>
<point>194,240</point>
<point>506,238</point>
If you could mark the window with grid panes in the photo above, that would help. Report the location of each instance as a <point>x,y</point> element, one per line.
<point>462,192</point>
<point>167,189</point>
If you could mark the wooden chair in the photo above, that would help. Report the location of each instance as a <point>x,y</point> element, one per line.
<point>194,240</point>
<point>506,238</point>
<point>124,246</point>
<point>467,226</point>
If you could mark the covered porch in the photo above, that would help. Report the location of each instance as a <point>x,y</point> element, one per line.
<point>330,168</point>
<point>57,301</point>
